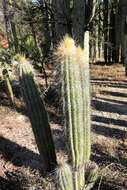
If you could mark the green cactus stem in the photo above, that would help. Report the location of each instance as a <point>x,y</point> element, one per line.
<point>64,177</point>
<point>75,85</point>
<point>8,86</point>
<point>91,175</point>
<point>37,114</point>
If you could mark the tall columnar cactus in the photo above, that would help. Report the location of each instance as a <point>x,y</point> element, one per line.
<point>75,88</point>
<point>8,85</point>
<point>37,114</point>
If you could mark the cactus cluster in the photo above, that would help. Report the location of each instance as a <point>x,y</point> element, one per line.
<point>73,69</point>
<point>37,114</point>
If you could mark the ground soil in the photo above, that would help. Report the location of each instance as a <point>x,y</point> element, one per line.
<point>20,165</point>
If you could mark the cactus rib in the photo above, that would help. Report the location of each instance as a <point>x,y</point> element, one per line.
<point>64,176</point>
<point>38,116</point>
<point>76,106</point>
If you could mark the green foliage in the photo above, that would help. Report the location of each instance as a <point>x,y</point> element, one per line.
<point>29,48</point>
<point>5,56</point>
<point>37,114</point>
<point>5,72</point>
<point>8,85</point>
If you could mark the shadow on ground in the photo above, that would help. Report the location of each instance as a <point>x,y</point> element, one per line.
<point>110,125</point>
<point>18,155</point>
<point>18,105</point>
<point>9,184</point>
<point>109,107</point>
<point>108,132</point>
<point>101,157</point>
<point>109,121</point>
<point>117,102</point>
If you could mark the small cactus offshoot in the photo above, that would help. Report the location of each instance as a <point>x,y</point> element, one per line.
<point>64,177</point>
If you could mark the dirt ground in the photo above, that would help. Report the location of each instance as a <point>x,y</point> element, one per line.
<point>109,124</point>
<point>19,158</point>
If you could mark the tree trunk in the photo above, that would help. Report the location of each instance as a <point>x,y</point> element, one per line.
<point>7,21</point>
<point>105,26</point>
<point>46,43</point>
<point>125,45</point>
<point>112,35</point>
<point>78,22</point>
<point>62,25</point>
<point>123,11</point>
<point>72,17</point>
<point>15,38</point>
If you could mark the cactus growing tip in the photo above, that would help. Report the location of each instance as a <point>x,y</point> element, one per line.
<point>21,58</point>
<point>66,47</point>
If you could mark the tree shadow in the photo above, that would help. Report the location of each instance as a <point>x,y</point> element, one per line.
<point>18,155</point>
<point>101,63</point>
<point>101,157</point>
<point>10,183</point>
<point>115,93</point>
<point>106,120</point>
<point>112,101</point>
<point>108,132</point>
<point>17,106</point>
<point>105,185</point>
<point>105,79</point>
<point>109,107</point>
<point>109,83</point>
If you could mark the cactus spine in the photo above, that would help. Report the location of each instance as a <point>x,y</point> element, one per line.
<point>37,114</point>
<point>75,87</point>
